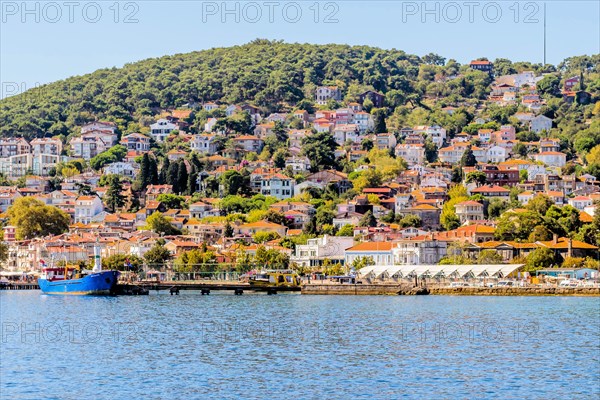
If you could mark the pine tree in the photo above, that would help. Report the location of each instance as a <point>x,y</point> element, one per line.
<point>162,176</point>
<point>368,219</point>
<point>143,177</point>
<point>191,183</point>
<point>171,176</point>
<point>113,196</point>
<point>228,230</point>
<point>152,171</point>
<point>182,177</point>
<point>468,158</point>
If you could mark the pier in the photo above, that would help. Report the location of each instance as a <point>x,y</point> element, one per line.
<point>174,287</point>
<point>20,286</point>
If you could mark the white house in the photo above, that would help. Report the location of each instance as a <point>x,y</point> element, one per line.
<point>496,154</point>
<point>298,164</point>
<point>551,158</point>
<point>122,168</point>
<point>413,154</point>
<point>436,133</point>
<point>87,207</point>
<point>204,143</point>
<point>136,142</point>
<point>380,252</point>
<point>580,202</point>
<point>161,129</point>
<point>326,93</point>
<point>364,121</point>
<point>540,123</point>
<point>317,250</point>
<point>277,185</point>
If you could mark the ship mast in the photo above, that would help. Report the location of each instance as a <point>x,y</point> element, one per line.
<point>97,259</point>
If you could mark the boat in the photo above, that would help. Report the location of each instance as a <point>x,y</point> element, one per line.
<point>71,281</point>
<point>275,279</point>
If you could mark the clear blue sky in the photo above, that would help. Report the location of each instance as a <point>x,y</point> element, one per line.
<point>66,42</point>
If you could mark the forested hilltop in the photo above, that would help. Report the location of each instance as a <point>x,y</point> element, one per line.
<point>272,75</point>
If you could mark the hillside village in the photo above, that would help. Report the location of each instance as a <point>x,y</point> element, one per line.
<point>331,183</point>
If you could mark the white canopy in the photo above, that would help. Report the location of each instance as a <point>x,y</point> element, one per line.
<point>447,270</point>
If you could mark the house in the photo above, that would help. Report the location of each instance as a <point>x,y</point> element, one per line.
<point>496,154</point>
<point>469,211</point>
<point>14,146</point>
<point>346,218</point>
<point>436,133</point>
<point>376,98</point>
<point>136,142</point>
<point>364,121</point>
<point>421,249</point>
<point>551,158</point>
<point>298,164</point>
<point>571,84</point>
<point>264,130</point>
<point>46,146</point>
<point>385,141</point>
<point>481,65</point>
<point>380,252</point>
<point>326,93</point>
<point>249,143</point>
<point>87,207</point>
<point>326,177</point>
<point>201,209</point>
<point>204,143</point>
<point>302,115</point>
<point>161,129</point>
<point>540,123</point>
<point>317,250</point>
<point>492,191</point>
<point>99,126</point>
<point>525,197</point>
<point>277,185</point>
<point>429,214</point>
<point>8,195</point>
<point>250,229</point>
<point>411,153</point>
<point>345,133</point>
<point>580,202</point>
<point>122,168</point>
<point>153,191</point>
<point>451,154</point>
<point>210,106</point>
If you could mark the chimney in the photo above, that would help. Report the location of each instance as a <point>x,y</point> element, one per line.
<point>554,238</point>
<point>570,248</point>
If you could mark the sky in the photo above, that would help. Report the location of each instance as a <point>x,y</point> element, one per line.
<point>45,41</point>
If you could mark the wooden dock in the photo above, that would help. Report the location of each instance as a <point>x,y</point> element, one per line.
<point>174,287</point>
<point>20,286</point>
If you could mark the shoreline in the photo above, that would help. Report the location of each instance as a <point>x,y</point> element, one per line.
<point>395,289</point>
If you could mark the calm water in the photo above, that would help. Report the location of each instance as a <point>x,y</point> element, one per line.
<point>293,346</point>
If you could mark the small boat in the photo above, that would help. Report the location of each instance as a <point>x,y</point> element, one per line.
<point>70,280</point>
<point>275,279</point>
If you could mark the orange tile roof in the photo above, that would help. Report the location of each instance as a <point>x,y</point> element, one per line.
<point>372,246</point>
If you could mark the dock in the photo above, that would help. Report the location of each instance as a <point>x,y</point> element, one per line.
<point>174,287</point>
<point>20,286</point>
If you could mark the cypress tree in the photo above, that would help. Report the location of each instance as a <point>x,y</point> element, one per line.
<point>171,177</point>
<point>182,177</point>
<point>152,171</point>
<point>144,165</point>
<point>162,176</point>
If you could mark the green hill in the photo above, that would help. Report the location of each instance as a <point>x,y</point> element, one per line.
<point>265,73</point>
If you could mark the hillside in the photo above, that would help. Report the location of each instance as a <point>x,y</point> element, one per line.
<point>265,73</point>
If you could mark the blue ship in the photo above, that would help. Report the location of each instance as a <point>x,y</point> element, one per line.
<point>96,283</point>
<point>56,280</point>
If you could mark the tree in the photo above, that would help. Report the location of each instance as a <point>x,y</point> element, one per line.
<point>235,183</point>
<point>158,255</point>
<point>172,200</point>
<point>368,219</point>
<point>549,85</point>
<point>3,252</point>
<point>541,258</point>
<point>33,218</point>
<point>319,148</point>
<point>516,226</point>
<point>496,207</point>
<point>410,220</point>
<point>228,232</point>
<point>262,237</point>
<point>346,230</point>
<point>279,158</point>
<point>379,115</point>
<point>182,178</point>
<point>489,257</point>
<point>122,262</point>
<point>468,158</point>
<point>114,198</point>
<point>478,177</point>
<point>540,204</point>
<point>161,224</point>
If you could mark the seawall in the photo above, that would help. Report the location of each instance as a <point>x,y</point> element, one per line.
<point>395,289</point>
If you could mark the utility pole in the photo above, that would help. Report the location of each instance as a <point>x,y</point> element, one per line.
<point>544,33</point>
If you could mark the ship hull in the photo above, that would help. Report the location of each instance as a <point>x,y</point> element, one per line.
<point>100,283</point>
